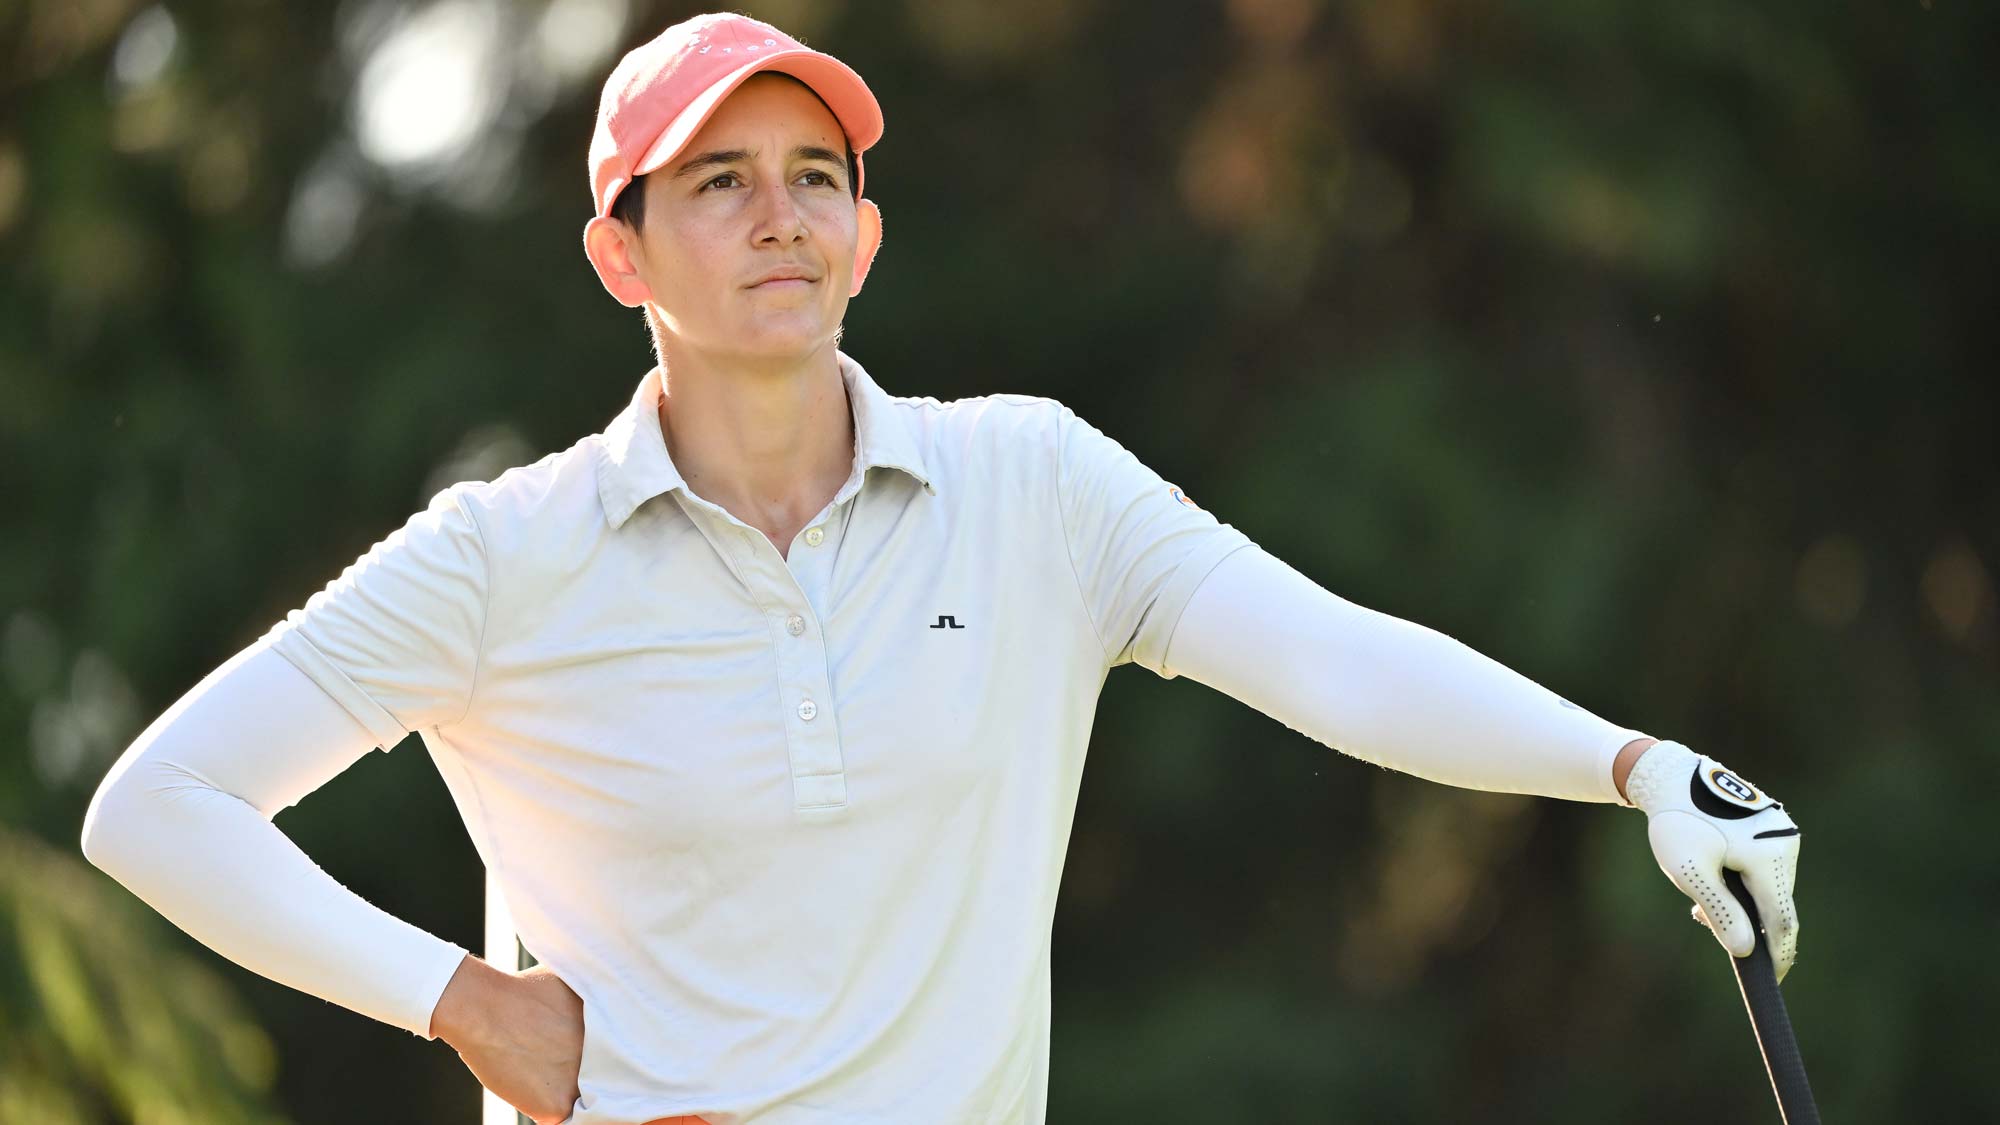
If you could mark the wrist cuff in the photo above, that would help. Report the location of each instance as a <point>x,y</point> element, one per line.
<point>1662,770</point>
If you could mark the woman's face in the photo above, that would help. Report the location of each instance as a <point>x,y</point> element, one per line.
<point>762,187</point>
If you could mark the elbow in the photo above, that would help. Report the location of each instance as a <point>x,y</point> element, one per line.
<point>147,804</point>
<point>124,815</point>
<point>113,808</point>
<point>101,824</point>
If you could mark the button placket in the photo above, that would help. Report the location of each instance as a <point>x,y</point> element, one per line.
<point>812,735</point>
<point>815,553</point>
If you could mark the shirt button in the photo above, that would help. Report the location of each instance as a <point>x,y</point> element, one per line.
<point>807,710</point>
<point>795,624</point>
<point>815,536</point>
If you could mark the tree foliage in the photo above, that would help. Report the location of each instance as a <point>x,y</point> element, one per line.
<point>103,1020</point>
<point>1638,346</point>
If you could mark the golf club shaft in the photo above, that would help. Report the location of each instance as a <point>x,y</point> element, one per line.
<point>1758,979</point>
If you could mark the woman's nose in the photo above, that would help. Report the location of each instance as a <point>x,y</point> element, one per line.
<point>781,217</point>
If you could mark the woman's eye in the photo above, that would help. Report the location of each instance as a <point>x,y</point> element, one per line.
<point>825,179</point>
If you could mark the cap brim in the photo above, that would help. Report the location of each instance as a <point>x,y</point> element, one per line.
<point>836,83</point>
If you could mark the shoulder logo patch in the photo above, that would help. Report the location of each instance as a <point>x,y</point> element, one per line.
<point>1182,497</point>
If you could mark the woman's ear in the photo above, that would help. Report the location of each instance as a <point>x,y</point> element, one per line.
<point>868,221</point>
<point>605,243</point>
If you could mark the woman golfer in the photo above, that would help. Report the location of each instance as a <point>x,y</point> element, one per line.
<point>767,705</point>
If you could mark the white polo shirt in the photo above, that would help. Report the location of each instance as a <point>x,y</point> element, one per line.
<point>791,827</point>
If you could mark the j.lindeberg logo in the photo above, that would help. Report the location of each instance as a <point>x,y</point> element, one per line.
<point>947,621</point>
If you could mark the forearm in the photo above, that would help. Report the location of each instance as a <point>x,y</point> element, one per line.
<point>183,821</point>
<point>1389,691</point>
<point>463,1012</point>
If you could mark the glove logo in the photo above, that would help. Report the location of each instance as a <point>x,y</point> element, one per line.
<point>1729,785</point>
<point>1182,497</point>
<point>1721,794</point>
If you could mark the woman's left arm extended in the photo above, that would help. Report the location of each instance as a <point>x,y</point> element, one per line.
<point>1412,699</point>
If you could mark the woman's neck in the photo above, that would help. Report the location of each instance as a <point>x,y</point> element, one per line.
<point>770,445</point>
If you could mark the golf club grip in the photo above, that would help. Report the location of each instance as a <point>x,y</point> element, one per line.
<point>1758,979</point>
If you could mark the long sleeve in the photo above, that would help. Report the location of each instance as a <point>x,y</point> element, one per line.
<point>1384,689</point>
<point>1137,544</point>
<point>183,820</point>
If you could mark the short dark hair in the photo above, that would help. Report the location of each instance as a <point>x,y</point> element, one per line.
<point>630,206</point>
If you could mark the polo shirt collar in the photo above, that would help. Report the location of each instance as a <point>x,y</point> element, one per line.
<point>634,466</point>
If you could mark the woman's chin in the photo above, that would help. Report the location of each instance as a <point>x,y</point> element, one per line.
<point>775,336</point>
<point>771,345</point>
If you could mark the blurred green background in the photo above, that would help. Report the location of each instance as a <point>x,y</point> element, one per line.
<point>1644,347</point>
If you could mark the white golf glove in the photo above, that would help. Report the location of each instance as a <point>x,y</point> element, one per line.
<point>1701,818</point>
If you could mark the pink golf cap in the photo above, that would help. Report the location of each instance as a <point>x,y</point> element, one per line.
<point>663,91</point>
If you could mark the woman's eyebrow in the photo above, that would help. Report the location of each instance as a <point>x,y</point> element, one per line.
<point>734,155</point>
